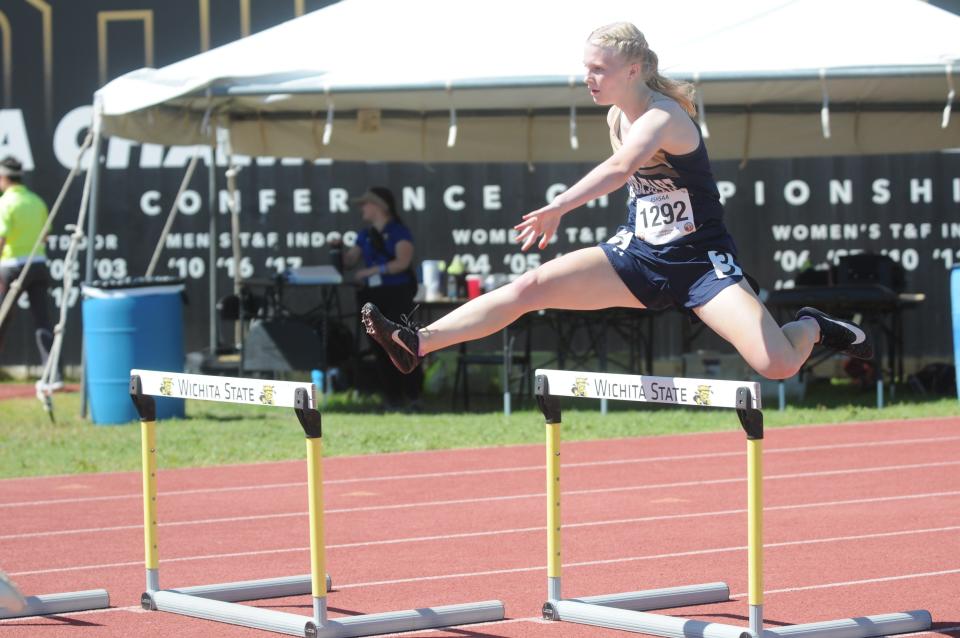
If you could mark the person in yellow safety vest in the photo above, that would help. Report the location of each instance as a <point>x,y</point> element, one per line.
<point>22,217</point>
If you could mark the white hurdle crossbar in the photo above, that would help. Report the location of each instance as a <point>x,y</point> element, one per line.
<point>629,611</point>
<point>218,602</point>
<point>65,603</point>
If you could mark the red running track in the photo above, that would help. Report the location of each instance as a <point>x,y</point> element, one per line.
<point>23,390</point>
<point>861,519</point>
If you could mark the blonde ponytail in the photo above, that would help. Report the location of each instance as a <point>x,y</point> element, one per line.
<point>627,40</point>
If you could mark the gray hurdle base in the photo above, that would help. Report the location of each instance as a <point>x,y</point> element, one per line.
<point>665,598</point>
<point>350,626</point>
<point>252,589</point>
<point>628,611</point>
<point>676,627</point>
<point>638,621</point>
<point>65,603</point>
<point>218,602</point>
<point>879,625</point>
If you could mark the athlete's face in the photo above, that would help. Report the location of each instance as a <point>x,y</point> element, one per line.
<point>608,74</point>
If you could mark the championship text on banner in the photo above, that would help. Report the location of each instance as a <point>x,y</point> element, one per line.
<point>712,393</point>
<point>177,385</point>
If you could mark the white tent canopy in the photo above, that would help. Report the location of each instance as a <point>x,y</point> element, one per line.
<point>389,73</point>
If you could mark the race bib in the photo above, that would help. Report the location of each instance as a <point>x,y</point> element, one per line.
<point>664,217</point>
<point>724,264</point>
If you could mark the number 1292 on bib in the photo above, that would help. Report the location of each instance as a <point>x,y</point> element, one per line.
<point>664,217</point>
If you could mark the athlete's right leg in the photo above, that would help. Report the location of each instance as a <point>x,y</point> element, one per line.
<point>581,280</point>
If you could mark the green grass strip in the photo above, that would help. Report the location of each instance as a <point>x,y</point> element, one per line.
<point>215,434</point>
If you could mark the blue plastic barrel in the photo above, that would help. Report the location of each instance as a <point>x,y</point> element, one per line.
<point>955,306</point>
<point>130,324</point>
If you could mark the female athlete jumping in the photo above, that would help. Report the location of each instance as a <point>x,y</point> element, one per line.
<point>673,251</point>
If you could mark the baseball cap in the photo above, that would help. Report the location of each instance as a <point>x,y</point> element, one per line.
<point>369,197</point>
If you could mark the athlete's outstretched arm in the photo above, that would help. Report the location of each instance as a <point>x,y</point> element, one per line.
<point>647,135</point>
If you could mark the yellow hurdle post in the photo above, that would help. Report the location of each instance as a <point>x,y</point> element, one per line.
<point>147,410</point>
<point>755,525</point>
<point>553,508</point>
<point>550,406</point>
<point>148,444</point>
<point>310,420</point>
<point>751,419</point>
<point>318,568</point>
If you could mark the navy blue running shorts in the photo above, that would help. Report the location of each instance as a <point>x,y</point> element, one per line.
<point>685,274</point>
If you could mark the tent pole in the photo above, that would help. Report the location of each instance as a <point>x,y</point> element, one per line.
<point>235,243</point>
<point>212,258</point>
<point>94,176</point>
<point>172,215</point>
<point>94,193</point>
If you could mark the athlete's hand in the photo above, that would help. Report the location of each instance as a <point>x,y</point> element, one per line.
<point>542,224</point>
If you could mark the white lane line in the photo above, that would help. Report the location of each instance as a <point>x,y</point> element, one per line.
<point>117,497</point>
<point>629,559</point>
<point>287,550</point>
<point>652,459</point>
<point>520,468</point>
<point>55,618</point>
<point>664,517</point>
<point>864,581</point>
<point>633,488</point>
<point>606,490</point>
<point>118,528</point>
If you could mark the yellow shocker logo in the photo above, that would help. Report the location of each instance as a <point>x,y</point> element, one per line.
<point>702,397</point>
<point>166,386</point>
<point>579,388</point>
<point>266,396</point>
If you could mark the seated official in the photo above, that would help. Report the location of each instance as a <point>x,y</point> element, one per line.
<point>383,257</point>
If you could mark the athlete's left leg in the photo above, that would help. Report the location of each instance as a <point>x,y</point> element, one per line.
<point>776,352</point>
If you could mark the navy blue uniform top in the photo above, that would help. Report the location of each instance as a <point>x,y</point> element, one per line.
<point>699,261</point>
<point>665,172</point>
<point>374,255</point>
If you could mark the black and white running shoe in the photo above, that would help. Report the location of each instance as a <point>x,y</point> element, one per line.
<point>844,336</point>
<point>400,341</point>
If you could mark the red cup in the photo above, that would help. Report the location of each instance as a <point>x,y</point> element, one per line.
<point>473,286</point>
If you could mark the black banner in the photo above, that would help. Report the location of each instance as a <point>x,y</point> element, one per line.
<point>785,214</point>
